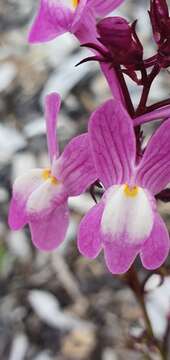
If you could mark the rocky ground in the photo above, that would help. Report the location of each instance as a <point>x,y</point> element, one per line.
<point>61,306</point>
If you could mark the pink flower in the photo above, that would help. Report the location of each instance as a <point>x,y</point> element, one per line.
<point>125,222</point>
<point>40,196</point>
<point>55,17</point>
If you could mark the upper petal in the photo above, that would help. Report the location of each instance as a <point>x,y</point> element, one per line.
<point>53,19</point>
<point>154,169</point>
<point>85,29</point>
<point>102,8</point>
<point>155,250</point>
<point>23,186</point>
<point>79,14</point>
<point>113,143</point>
<point>49,231</point>
<point>52,108</point>
<point>75,167</point>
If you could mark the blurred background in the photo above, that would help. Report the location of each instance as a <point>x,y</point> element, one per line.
<point>61,306</point>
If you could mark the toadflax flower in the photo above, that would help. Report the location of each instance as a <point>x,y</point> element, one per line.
<point>55,17</point>
<point>40,196</point>
<point>125,222</point>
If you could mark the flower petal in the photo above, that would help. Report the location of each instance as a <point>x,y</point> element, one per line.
<point>126,223</point>
<point>75,166</point>
<point>154,169</point>
<point>161,113</point>
<point>22,188</point>
<point>85,30</point>
<point>45,198</point>
<point>155,250</point>
<point>53,19</point>
<point>113,82</point>
<point>128,214</point>
<point>113,143</point>
<point>79,14</point>
<point>119,254</point>
<point>103,8</point>
<point>49,231</point>
<point>52,108</point>
<point>17,217</point>
<point>89,242</point>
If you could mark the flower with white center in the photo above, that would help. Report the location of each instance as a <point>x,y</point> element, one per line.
<point>125,222</point>
<point>40,196</point>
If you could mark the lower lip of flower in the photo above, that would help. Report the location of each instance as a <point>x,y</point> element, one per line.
<point>46,175</point>
<point>128,212</point>
<point>131,191</point>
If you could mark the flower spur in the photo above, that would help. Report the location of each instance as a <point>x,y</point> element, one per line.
<point>125,222</point>
<point>40,196</point>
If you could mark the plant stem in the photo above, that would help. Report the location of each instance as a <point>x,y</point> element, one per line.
<point>146,89</point>
<point>157,105</point>
<point>129,104</point>
<point>135,285</point>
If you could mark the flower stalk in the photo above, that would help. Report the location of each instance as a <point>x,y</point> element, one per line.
<point>133,281</point>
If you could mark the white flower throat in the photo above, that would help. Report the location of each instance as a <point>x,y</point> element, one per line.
<point>127,211</point>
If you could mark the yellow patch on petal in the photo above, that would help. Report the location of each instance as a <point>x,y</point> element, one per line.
<point>46,175</point>
<point>53,180</point>
<point>131,191</point>
<point>75,3</point>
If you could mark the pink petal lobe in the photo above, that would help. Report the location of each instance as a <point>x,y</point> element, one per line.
<point>103,8</point>
<point>22,189</point>
<point>52,108</point>
<point>119,254</point>
<point>113,143</point>
<point>154,169</point>
<point>89,242</point>
<point>53,19</point>
<point>75,166</point>
<point>49,232</point>
<point>86,31</point>
<point>17,217</point>
<point>155,250</point>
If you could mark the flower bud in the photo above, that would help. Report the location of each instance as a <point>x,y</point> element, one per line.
<point>160,20</point>
<point>121,41</point>
<point>114,32</point>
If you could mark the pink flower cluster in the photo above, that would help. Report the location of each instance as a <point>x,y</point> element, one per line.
<point>125,222</point>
